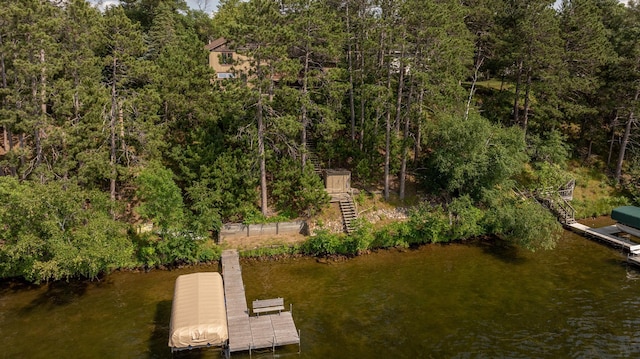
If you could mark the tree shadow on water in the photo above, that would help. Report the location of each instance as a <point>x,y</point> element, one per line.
<point>505,252</point>
<point>58,294</point>
<point>10,286</point>
<point>158,342</point>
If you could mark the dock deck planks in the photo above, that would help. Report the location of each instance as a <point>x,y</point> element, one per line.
<point>245,332</point>
<point>607,235</point>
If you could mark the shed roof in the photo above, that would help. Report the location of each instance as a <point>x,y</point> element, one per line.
<point>627,215</point>
<point>337,172</point>
<point>198,313</point>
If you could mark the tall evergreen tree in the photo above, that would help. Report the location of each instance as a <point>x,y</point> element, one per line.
<point>317,48</point>
<point>624,76</point>
<point>133,106</point>
<point>261,34</point>
<point>533,46</point>
<point>586,51</point>
<point>79,99</point>
<point>31,60</point>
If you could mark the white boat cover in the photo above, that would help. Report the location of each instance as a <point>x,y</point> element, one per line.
<point>198,313</point>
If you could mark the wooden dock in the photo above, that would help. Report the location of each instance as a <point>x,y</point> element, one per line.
<point>247,333</point>
<point>608,235</point>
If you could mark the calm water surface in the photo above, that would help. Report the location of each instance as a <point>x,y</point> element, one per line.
<point>472,300</point>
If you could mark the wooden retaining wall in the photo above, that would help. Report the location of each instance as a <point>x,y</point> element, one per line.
<point>231,230</point>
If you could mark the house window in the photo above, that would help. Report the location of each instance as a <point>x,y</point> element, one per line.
<point>226,58</point>
<point>225,75</point>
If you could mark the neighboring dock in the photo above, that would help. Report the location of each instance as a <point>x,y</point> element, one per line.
<point>247,333</point>
<point>607,235</point>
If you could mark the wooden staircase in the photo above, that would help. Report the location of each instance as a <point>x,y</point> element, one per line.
<point>310,146</point>
<point>349,214</point>
<point>562,209</point>
<point>559,206</point>
<point>555,200</point>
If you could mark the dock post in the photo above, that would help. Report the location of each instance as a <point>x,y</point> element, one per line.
<point>299,343</point>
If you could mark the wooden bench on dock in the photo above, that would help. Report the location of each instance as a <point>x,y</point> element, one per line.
<point>268,305</point>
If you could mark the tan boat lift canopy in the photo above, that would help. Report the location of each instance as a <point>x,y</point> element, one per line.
<point>198,313</point>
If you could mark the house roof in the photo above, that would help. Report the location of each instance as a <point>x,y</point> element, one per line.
<point>219,44</point>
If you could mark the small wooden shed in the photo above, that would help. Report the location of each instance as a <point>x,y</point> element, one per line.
<point>337,181</point>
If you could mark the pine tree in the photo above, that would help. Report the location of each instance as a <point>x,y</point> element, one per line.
<point>261,34</point>
<point>132,110</point>
<point>531,41</point>
<point>30,60</point>
<point>624,76</point>
<point>316,47</point>
<point>78,99</point>
<point>586,51</point>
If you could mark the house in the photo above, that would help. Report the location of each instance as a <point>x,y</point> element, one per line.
<point>225,61</point>
<point>228,63</point>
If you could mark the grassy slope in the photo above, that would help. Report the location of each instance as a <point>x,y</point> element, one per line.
<point>595,195</point>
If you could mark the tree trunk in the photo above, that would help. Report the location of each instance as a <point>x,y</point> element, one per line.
<point>516,100</point>
<point>112,131</point>
<point>527,92</point>
<point>263,161</point>
<point>43,108</point>
<point>5,140</point>
<point>405,145</point>
<point>400,90</point>
<point>21,145</point>
<point>352,108</point>
<point>123,142</point>
<point>387,146</point>
<point>12,169</point>
<point>476,69</point>
<point>613,136</point>
<point>623,147</point>
<point>418,144</point>
<point>261,152</point>
<point>305,90</point>
<point>362,103</point>
<point>3,77</point>
<point>625,138</point>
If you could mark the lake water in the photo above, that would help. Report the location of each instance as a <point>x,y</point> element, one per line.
<point>469,300</point>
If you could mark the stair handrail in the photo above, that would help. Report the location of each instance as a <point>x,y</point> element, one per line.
<point>567,207</point>
<point>556,201</point>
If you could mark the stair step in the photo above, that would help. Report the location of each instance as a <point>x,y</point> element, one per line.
<point>348,210</point>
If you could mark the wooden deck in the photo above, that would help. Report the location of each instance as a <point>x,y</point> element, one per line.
<point>608,235</point>
<point>245,332</point>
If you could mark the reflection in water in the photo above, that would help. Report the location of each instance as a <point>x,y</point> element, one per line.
<point>462,300</point>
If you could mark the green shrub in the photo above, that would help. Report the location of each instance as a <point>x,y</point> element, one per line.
<point>396,234</point>
<point>525,223</point>
<point>361,238</point>
<point>271,251</point>
<point>322,243</point>
<point>160,198</point>
<point>295,191</point>
<point>465,218</point>
<point>429,224</point>
<point>174,248</point>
